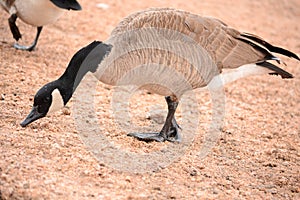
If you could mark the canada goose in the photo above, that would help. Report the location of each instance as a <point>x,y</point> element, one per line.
<point>36,13</point>
<point>219,46</point>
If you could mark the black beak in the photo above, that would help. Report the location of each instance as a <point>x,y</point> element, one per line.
<point>33,115</point>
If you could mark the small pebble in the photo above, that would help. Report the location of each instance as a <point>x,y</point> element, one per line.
<point>102,6</point>
<point>193,172</point>
<point>273,191</point>
<point>66,111</point>
<point>157,188</point>
<point>128,179</point>
<point>26,186</point>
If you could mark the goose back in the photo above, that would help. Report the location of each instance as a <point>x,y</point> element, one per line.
<point>220,40</point>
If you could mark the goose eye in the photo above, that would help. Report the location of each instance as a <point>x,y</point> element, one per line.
<point>47,99</point>
<point>42,108</point>
<point>39,109</point>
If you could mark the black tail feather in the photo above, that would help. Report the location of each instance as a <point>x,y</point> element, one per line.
<point>269,55</point>
<point>69,5</point>
<point>277,70</point>
<point>271,47</point>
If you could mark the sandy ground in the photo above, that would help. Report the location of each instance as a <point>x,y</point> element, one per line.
<point>257,155</point>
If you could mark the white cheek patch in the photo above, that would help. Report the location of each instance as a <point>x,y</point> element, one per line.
<point>57,101</point>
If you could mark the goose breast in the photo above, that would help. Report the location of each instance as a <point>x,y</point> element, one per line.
<point>37,12</point>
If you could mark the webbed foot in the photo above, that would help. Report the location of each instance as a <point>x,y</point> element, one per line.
<point>173,134</point>
<point>33,45</point>
<point>148,137</point>
<point>170,130</point>
<point>24,48</point>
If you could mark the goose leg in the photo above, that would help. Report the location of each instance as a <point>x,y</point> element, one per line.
<point>170,130</point>
<point>174,133</point>
<point>13,27</point>
<point>32,46</point>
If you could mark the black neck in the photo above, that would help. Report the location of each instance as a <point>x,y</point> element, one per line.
<point>85,60</point>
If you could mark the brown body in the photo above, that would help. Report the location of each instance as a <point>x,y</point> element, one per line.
<point>138,40</point>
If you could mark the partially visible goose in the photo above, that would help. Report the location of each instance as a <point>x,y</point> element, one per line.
<point>36,13</point>
<point>218,45</point>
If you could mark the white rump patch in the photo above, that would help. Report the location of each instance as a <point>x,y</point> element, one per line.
<point>231,75</point>
<point>57,101</point>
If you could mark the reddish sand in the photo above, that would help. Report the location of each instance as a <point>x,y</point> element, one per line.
<point>256,157</point>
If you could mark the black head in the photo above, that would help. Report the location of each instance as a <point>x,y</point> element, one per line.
<point>67,4</point>
<point>43,101</point>
<point>54,95</point>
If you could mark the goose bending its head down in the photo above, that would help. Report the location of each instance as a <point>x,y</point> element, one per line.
<point>36,13</point>
<point>168,52</point>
